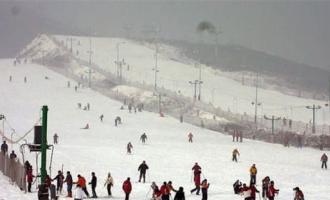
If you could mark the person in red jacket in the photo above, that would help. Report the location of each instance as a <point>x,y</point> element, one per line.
<point>299,195</point>
<point>30,176</point>
<point>272,191</point>
<point>165,191</point>
<point>48,181</point>
<point>197,169</point>
<point>253,192</point>
<point>82,182</point>
<point>324,160</point>
<point>127,187</point>
<point>197,181</point>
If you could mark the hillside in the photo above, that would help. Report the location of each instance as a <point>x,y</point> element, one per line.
<point>102,148</point>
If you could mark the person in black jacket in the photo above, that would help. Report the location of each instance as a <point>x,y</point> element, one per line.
<point>59,180</point>
<point>179,194</point>
<point>143,169</point>
<point>93,183</point>
<point>4,147</point>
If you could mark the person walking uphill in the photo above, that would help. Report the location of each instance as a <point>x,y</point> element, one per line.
<point>143,138</point>
<point>143,170</point>
<point>324,160</point>
<point>180,194</point>
<point>197,181</point>
<point>93,183</point>
<point>253,174</point>
<point>127,187</point>
<point>109,183</point>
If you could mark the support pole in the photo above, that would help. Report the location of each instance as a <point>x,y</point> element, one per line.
<point>44,144</point>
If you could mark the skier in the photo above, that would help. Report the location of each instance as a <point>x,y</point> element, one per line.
<point>324,160</point>
<point>153,187</point>
<point>82,182</point>
<point>4,147</point>
<point>10,78</point>
<point>127,187</point>
<point>12,155</point>
<point>79,105</point>
<point>253,174</point>
<point>129,148</point>
<point>117,120</point>
<point>265,184</point>
<point>157,194</point>
<point>143,138</point>
<point>93,183</point>
<point>109,183</point>
<point>88,106</point>
<point>143,169</point>
<point>196,168</point>
<point>235,153</point>
<point>253,192</point>
<point>179,194</point>
<point>25,79</point>
<point>130,107</point>
<point>55,137</point>
<point>237,187</point>
<point>190,137</point>
<point>299,195</point>
<point>79,193</point>
<point>76,88</point>
<point>236,135</point>
<point>165,192</point>
<point>59,182</point>
<point>197,181</point>
<point>272,191</point>
<point>170,187</point>
<point>101,117</point>
<point>30,177</point>
<point>69,182</point>
<point>205,186</point>
<point>233,134</point>
<point>68,84</point>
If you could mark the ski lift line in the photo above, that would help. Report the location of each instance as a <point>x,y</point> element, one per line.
<point>20,138</point>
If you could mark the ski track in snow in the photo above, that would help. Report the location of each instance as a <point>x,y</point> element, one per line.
<point>102,148</point>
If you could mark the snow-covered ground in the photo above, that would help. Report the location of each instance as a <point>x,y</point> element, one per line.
<point>102,148</point>
<point>175,72</point>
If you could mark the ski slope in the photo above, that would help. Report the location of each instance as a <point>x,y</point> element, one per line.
<point>102,148</point>
<point>175,72</point>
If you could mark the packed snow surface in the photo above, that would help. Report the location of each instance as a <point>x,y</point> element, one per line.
<point>102,148</point>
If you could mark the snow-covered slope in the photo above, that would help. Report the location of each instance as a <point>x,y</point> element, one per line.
<point>175,72</point>
<point>169,155</point>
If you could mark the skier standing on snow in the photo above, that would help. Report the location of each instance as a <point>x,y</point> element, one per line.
<point>12,155</point>
<point>299,195</point>
<point>253,190</point>
<point>235,153</point>
<point>143,170</point>
<point>93,183</point>
<point>205,186</point>
<point>165,192</point>
<point>129,148</point>
<point>101,117</point>
<point>127,187</point>
<point>180,194</point>
<point>30,176</point>
<point>265,184</point>
<point>68,180</point>
<point>253,174</point>
<point>143,138</point>
<point>240,136</point>
<point>109,183</point>
<point>324,160</point>
<point>82,182</point>
<point>190,137</point>
<point>272,191</point>
<point>59,182</point>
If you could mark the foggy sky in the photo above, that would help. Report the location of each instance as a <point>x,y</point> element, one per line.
<point>298,30</point>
